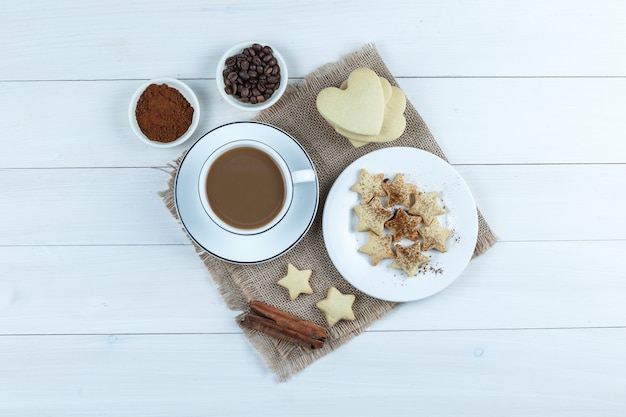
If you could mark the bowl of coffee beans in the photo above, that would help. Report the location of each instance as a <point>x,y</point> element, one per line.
<point>251,76</point>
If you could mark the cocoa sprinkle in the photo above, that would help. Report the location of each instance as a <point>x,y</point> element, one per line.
<point>163,113</point>
<point>424,269</point>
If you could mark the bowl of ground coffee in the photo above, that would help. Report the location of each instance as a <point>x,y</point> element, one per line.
<point>164,112</point>
<point>251,76</point>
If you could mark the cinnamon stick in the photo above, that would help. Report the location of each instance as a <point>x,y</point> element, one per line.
<point>283,325</point>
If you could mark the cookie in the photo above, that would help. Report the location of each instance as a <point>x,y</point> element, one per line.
<point>337,306</point>
<point>388,133</point>
<point>394,122</point>
<point>434,236</point>
<point>378,248</point>
<point>296,281</point>
<point>427,205</point>
<point>369,186</point>
<point>399,192</point>
<point>394,103</point>
<point>409,258</point>
<point>372,216</point>
<point>360,108</point>
<point>403,225</point>
<point>386,86</point>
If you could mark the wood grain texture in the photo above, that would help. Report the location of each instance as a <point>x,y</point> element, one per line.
<point>476,121</point>
<point>165,289</point>
<point>105,308</point>
<point>100,206</point>
<point>513,373</point>
<point>121,40</point>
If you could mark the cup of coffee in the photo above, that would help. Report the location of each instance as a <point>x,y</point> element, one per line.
<point>246,187</point>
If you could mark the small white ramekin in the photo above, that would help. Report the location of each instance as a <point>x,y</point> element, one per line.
<point>236,49</point>
<point>189,95</point>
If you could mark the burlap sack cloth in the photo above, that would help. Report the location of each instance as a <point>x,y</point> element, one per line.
<point>296,113</point>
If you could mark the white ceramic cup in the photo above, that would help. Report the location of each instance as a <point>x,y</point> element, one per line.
<point>290,178</point>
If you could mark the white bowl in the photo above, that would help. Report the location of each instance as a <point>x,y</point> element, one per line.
<point>185,91</point>
<point>236,49</point>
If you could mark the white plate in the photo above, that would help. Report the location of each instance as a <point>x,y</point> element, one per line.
<point>429,173</point>
<point>236,248</point>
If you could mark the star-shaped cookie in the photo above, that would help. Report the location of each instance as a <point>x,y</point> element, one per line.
<point>296,281</point>
<point>372,216</point>
<point>435,236</point>
<point>337,306</point>
<point>369,186</point>
<point>409,258</point>
<point>399,192</point>
<point>378,248</point>
<point>404,225</point>
<point>427,205</point>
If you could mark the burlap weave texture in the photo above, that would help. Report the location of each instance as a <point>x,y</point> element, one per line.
<point>296,114</point>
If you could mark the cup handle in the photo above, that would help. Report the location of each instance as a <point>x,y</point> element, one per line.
<point>305,175</point>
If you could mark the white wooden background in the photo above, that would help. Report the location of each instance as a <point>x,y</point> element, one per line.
<point>105,309</point>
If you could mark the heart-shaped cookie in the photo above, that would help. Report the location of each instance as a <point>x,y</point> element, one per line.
<point>394,122</point>
<point>383,83</point>
<point>387,134</point>
<point>360,108</point>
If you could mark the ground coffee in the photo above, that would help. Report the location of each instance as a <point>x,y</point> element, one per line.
<point>163,113</point>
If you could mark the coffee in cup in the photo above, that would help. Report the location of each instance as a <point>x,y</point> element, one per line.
<point>246,187</point>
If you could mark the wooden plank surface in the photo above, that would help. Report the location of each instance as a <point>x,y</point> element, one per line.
<point>165,289</point>
<point>475,120</point>
<point>96,206</point>
<point>105,308</point>
<point>121,40</point>
<point>513,373</point>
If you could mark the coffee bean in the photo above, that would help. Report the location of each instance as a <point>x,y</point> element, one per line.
<point>232,76</point>
<point>253,75</point>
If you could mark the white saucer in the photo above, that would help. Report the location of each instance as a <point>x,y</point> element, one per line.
<point>236,248</point>
<point>429,173</point>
